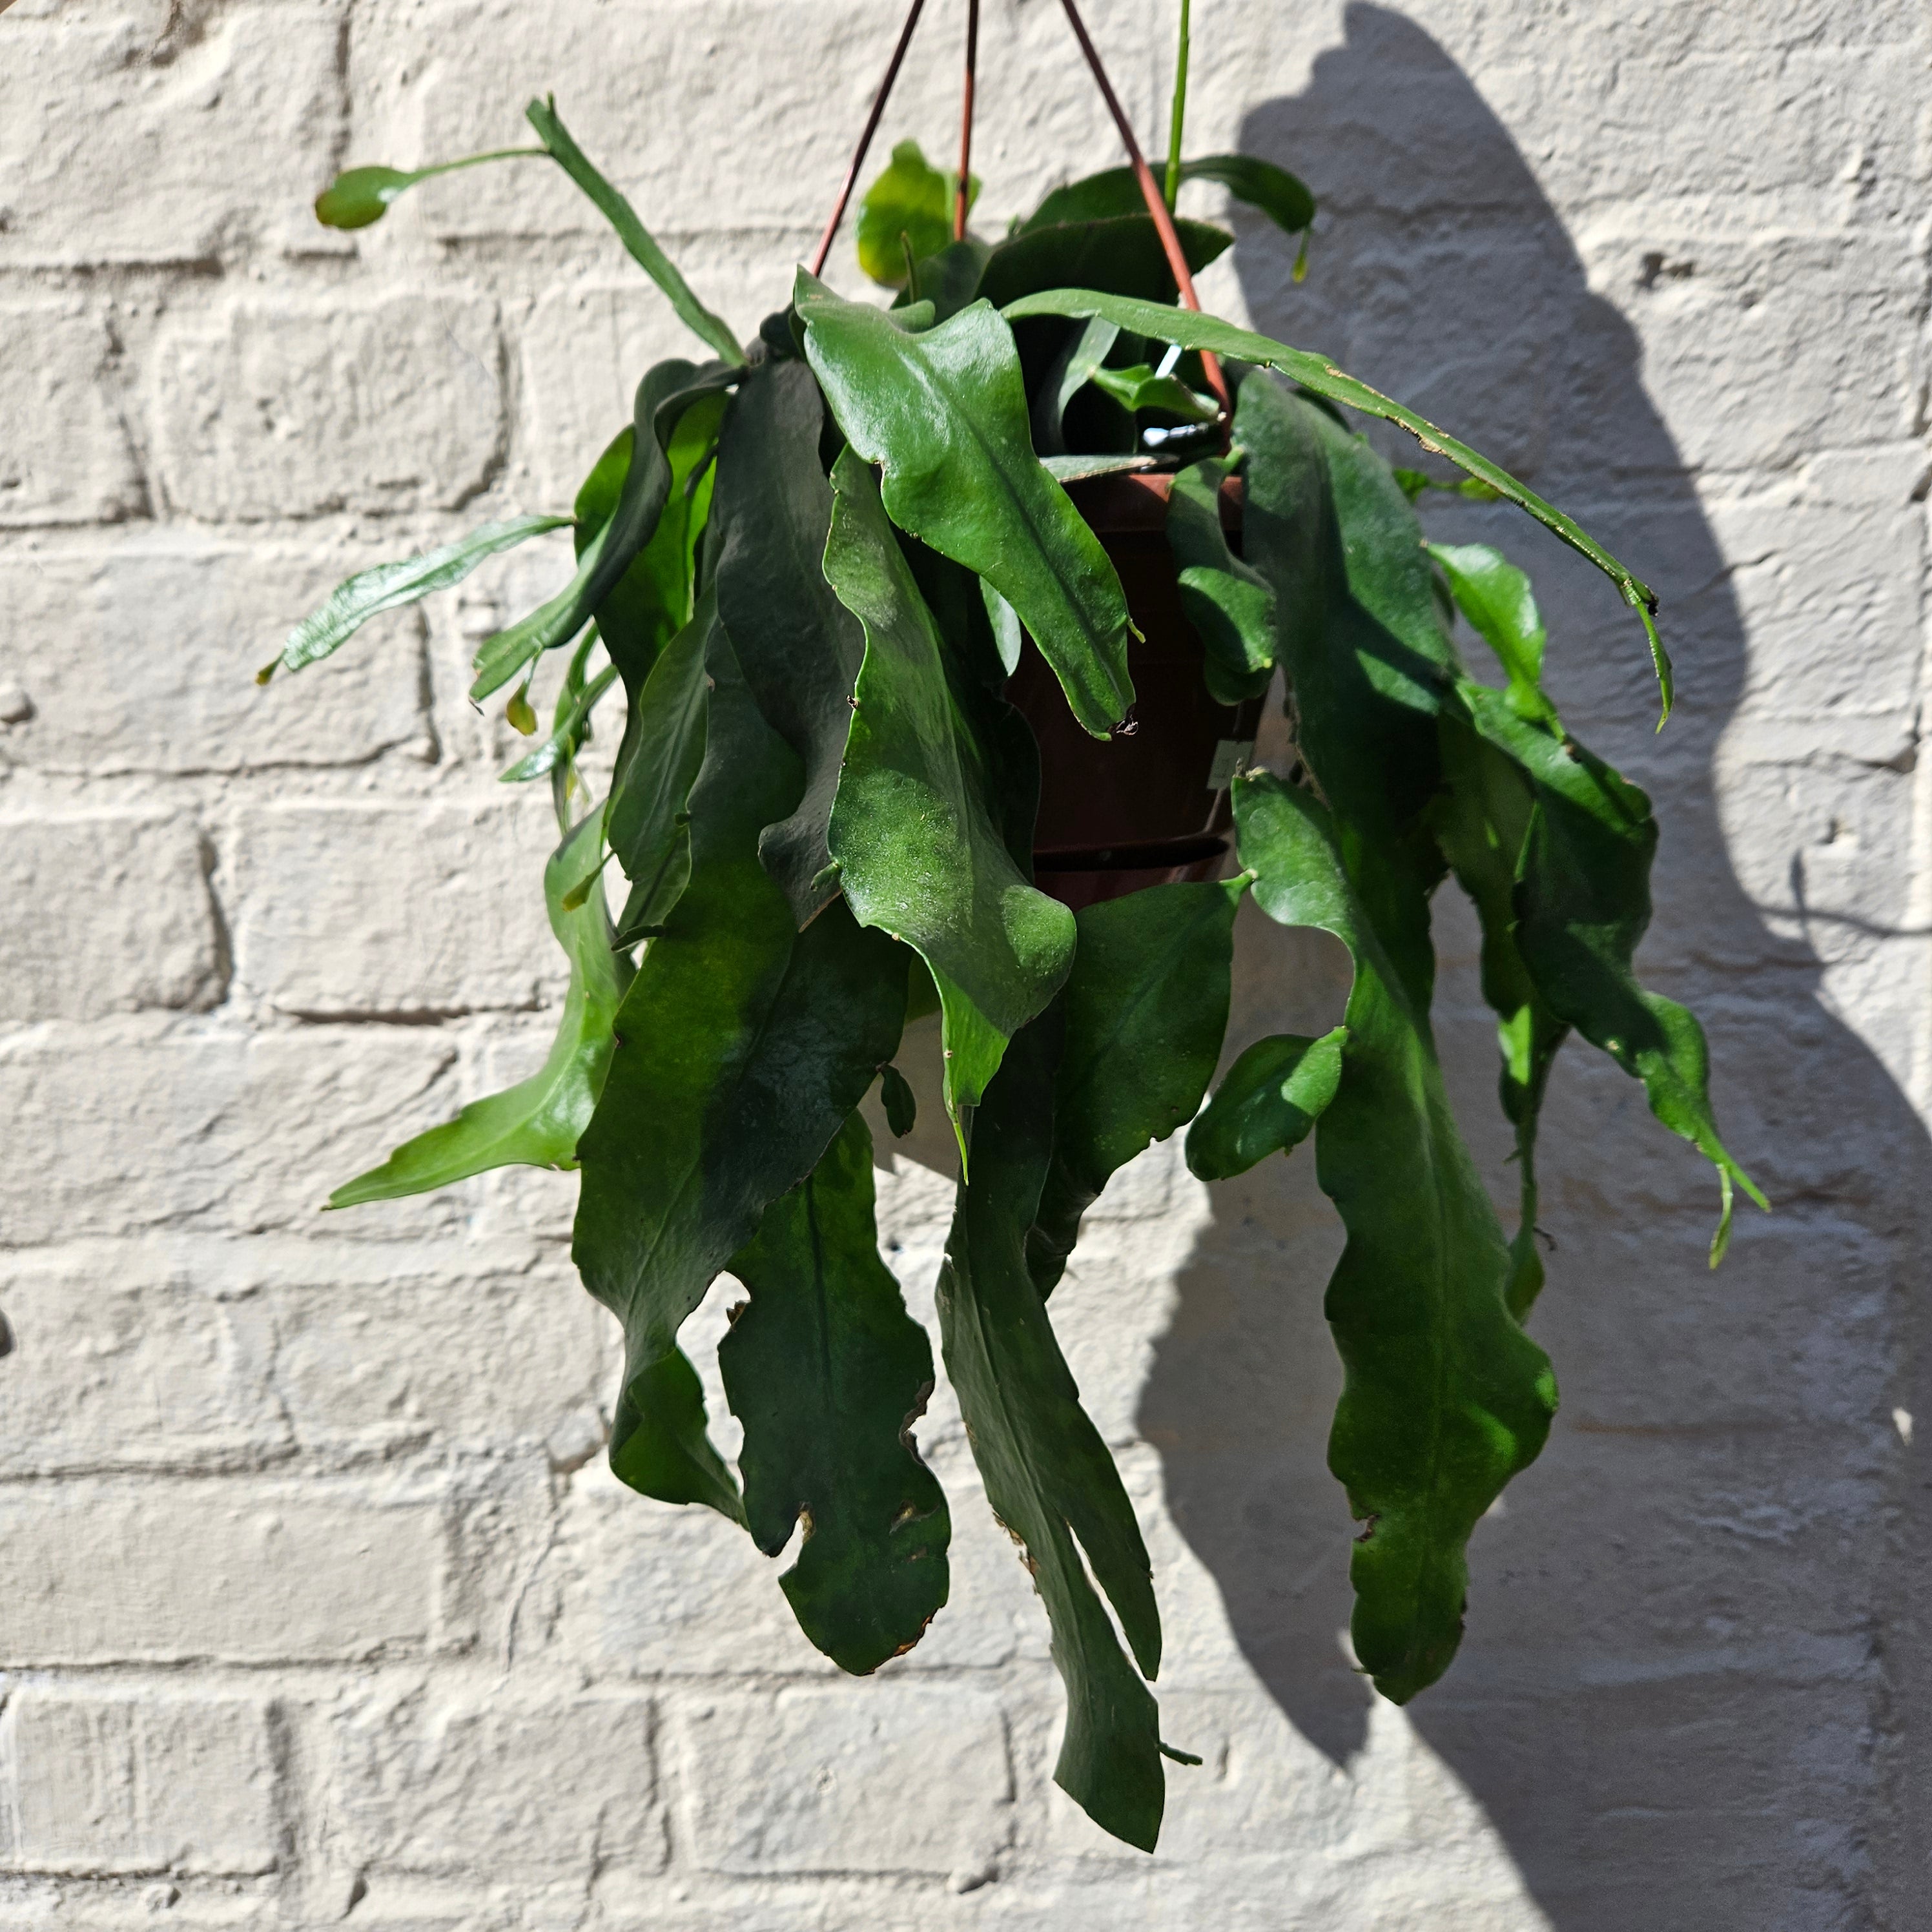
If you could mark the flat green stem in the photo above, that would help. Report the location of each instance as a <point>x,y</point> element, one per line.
<point>476,161</point>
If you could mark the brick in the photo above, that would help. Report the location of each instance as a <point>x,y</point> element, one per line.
<point>217,1131</point>
<point>845,1780</point>
<point>585,349</point>
<point>449,918</point>
<point>585,346</point>
<point>633,1589</point>
<point>160,638</point>
<point>403,1360</point>
<point>222,123</point>
<point>142,935</point>
<point>1767,350</point>
<point>1819,550</point>
<point>114,1782</point>
<point>396,406</point>
<point>64,453</point>
<point>172,1373</point>
<point>523,1790</point>
<point>108,1373</point>
<point>246,1572</point>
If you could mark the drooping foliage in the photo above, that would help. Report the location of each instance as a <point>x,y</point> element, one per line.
<point>809,566</point>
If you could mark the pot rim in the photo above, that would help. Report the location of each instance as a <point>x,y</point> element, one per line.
<point>1135,500</point>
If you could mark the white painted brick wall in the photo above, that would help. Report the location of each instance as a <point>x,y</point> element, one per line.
<point>316,1601</point>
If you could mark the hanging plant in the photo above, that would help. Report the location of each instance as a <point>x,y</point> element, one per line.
<point>940,632</point>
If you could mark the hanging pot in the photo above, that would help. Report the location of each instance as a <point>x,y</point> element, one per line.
<point>1150,805</point>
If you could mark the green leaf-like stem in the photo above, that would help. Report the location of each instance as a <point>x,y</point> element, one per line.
<point>920,854</point>
<point>1192,330</point>
<point>742,1045</point>
<point>908,211</point>
<point>1582,903</point>
<point>945,413</point>
<point>566,734</point>
<point>1283,198</point>
<point>828,1372</point>
<point>1048,1475</point>
<point>666,391</point>
<point>1444,1398</point>
<point>1070,371</point>
<point>648,822</point>
<point>389,587</point>
<point>360,195</point>
<point>1500,603</point>
<point>543,116</point>
<point>1142,387</point>
<point>1230,605</point>
<point>536,1123</point>
<point>1146,1009</point>
<point>1269,1103</point>
<point>798,645</point>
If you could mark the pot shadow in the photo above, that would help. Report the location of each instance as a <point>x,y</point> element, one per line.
<point>1681,1694</point>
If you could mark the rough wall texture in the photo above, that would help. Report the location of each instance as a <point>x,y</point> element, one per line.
<point>316,1600</point>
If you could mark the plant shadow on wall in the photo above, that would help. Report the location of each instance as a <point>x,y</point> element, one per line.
<point>1669,1691</point>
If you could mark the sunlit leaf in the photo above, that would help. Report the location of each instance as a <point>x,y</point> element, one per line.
<point>1008,638</point>
<point>1074,469</point>
<point>1268,1103</point>
<point>827,1372</point>
<point>945,414</point>
<point>390,585</point>
<point>1229,603</point>
<point>1284,199</point>
<point>667,392</point>
<point>537,1122</point>
<point>1140,388</point>
<point>742,1045</point>
<point>1366,651</point>
<point>1047,1475</point>
<point>1145,1009</point>
<point>920,854</point>
<point>1582,903</point>
<point>1417,482</point>
<point>1194,330</point>
<point>911,199</point>
<point>1444,1398</point>
<point>1500,603</point>
<point>542,115</point>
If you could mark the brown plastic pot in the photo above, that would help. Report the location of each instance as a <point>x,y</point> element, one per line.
<point>1149,805</point>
